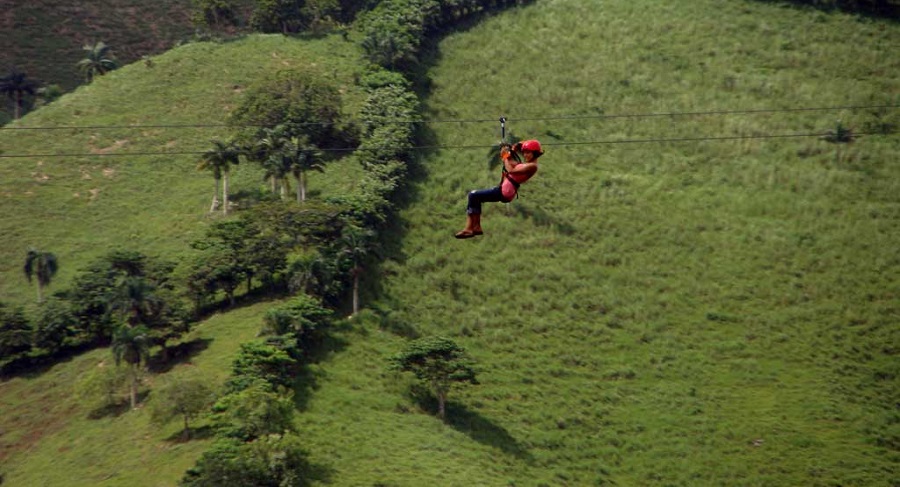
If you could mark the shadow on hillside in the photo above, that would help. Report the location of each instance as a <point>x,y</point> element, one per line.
<point>165,361</point>
<point>874,10</point>
<point>307,379</point>
<point>202,433</point>
<point>117,409</point>
<point>473,424</point>
<point>259,294</point>
<point>484,431</point>
<point>30,367</point>
<point>542,218</point>
<point>314,473</point>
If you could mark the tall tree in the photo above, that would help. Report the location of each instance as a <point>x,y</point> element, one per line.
<point>98,60</point>
<point>132,345</point>
<point>438,362</point>
<point>215,13</point>
<point>355,245</point>
<point>219,160</point>
<point>284,16</point>
<point>272,152</point>
<point>42,266</point>
<point>302,157</point>
<point>134,299</point>
<point>17,85</point>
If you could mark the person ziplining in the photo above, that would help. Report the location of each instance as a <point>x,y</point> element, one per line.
<point>516,172</point>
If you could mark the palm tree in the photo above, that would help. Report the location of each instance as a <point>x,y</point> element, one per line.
<point>302,157</point>
<point>219,160</point>
<point>16,86</point>
<point>134,299</point>
<point>132,345</point>
<point>99,60</point>
<point>43,266</point>
<point>355,241</point>
<point>272,153</point>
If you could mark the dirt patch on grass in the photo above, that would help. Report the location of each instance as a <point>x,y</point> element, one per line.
<point>115,146</point>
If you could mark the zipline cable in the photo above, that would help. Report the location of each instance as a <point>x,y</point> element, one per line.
<point>483,120</point>
<point>463,147</point>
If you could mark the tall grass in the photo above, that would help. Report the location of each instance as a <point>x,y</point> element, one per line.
<point>647,314</point>
<point>703,313</point>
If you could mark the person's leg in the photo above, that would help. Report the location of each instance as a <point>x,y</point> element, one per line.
<point>473,210</point>
<point>476,224</point>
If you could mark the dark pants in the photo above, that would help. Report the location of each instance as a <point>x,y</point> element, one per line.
<point>477,197</point>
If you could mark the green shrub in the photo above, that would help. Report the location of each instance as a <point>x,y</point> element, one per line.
<point>298,100</point>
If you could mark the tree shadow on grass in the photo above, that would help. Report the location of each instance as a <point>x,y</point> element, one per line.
<point>473,424</point>
<point>178,354</point>
<point>314,473</point>
<point>201,433</point>
<point>542,218</point>
<point>484,431</point>
<point>116,409</point>
<point>307,378</point>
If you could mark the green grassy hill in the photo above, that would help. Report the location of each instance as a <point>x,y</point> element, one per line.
<point>694,313</point>
<point>704,313</point>
<point>97,197</point>
<point>86,204</point>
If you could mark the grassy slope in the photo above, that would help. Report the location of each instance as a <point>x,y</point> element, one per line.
<point>719,313</point>
<point>679,303</point>
<point>80,207</point>
<point>155,204</point>
<point>52,439</point>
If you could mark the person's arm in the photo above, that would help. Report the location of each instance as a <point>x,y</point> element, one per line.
<point>514,167</point>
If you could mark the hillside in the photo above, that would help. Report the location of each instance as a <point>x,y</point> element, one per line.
<point>157,202</point>
<point>699,313</point>
<point>97,199</point>
<point>718,312</point>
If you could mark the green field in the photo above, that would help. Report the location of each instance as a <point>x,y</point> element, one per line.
<point>719,312</point>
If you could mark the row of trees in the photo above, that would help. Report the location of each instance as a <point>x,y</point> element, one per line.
<point>253,421</point>
<point>124,298</point>
<point>395,30</point>
<point>384,151</point>
<point>277,16</point>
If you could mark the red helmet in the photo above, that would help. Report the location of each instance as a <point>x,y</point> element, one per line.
<point>532,145</point>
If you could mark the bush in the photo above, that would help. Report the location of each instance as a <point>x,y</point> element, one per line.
<point>15,333</point>
<point>184,398</point>
<point>273,460</point>
<point>378,77</point>
<point>254,412</point>
<point>298,100</point>
<point>105,382</point>
<point>393,31</point>
<point>302,318</point>
<point>54,326</point>
<point>262,361</point>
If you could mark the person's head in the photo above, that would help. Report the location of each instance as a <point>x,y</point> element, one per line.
<point>531,149</point>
